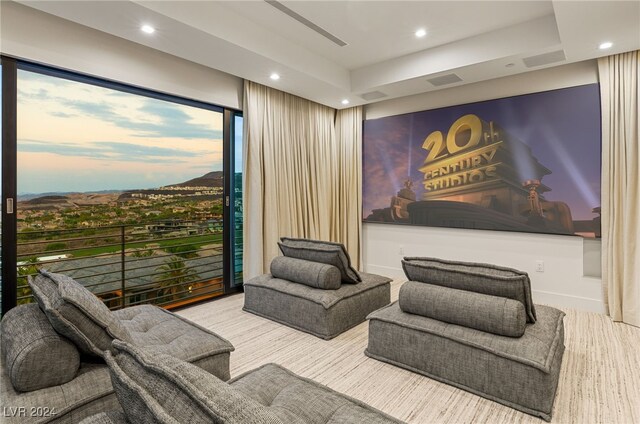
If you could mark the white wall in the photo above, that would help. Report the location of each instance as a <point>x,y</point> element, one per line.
<point>33,35</point>
<point>29,34</point>
<point>571,267</point>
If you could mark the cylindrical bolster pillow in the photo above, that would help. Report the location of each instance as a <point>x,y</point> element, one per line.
<point>35,356</point>
<point>491,314</point>
<point>312,274</point>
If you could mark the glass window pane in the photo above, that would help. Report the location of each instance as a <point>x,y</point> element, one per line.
<point>237,200</point>
<point>1,190</point>
<point>120,191</point>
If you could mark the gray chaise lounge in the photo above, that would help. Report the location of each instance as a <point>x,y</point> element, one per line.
<point>473,326</point>
<point>59,372</point>
<point>163,389</point>
<point>314,289</point>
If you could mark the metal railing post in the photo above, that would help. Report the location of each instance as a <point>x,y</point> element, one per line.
<point>122,257</point>
<point>92,258</point>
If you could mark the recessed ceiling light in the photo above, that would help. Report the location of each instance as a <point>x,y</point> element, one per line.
<point>148,29</point>
<point>421,33</point>
<point>274,76</point>
<point>345,102</point>
<point>605,45</point>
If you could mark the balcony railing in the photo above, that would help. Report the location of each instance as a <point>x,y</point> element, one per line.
<point>168,263</point>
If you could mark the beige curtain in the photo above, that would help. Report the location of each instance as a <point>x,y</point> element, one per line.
<point>298,175</point>
<point>619,92</point>
<point>346,225</point>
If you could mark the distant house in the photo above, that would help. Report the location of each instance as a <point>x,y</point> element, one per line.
<point>43,259</point>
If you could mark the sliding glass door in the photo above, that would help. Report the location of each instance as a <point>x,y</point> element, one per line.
<point>1,309</point>
<point>236,203</point>
<point>120,188</point>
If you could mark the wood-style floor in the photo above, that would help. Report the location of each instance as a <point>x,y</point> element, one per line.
<point>599,379</point>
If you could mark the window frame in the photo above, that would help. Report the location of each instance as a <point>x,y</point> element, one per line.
<point>10,68</point>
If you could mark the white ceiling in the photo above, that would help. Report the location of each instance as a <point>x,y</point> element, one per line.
<point>476,40</point>
<point>366,27</point>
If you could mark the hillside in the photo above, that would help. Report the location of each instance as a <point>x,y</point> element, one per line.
<point>211,179</point>
<point>71,200</point>
<point>51,201</point>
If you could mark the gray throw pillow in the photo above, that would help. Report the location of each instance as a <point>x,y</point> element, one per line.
<point>158,388</point>
<point>325,252</point>
<point>491,314</point>
<point>76,313</point>
<point>35,356</point>
<point>312,274</point>
<point>477,277</point>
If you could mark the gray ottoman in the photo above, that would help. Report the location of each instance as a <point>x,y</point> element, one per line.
<point>518,372</point>
<point>300,400</point>
<point>288,398</point>
<point>323,313</point>
<point>163,389</point>
<point>160,331</point>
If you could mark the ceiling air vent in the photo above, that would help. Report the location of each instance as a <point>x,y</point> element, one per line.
<point>544,59</point>
<point>373,95</point>
<point>444,80</point>
<point>306,22</point>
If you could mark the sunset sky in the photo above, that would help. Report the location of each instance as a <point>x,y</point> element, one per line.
<point>562,128</point>
<point>79,137</point>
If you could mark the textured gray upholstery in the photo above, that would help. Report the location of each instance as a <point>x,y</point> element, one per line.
<point>109,417</point>
<point>481,278</point>
<point>321,251</point>
<point>323,313</point>
<point>493,314</point>
<point>312,274</point>
<point>519,372</point>
<point>160,331</point>
<point>76,313</point>
<point>299,400</point>
<point>161,388</point>
<point>91,392</point>
<point>35,355</point>
<point>88,393</point>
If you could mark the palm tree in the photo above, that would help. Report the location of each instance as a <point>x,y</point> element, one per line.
<point>175,275</point>
<point>184,251</point>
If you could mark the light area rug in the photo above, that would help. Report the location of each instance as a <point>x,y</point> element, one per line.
<point>599,378</point>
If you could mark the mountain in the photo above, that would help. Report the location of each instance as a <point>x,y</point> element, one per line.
<point>46,200</point>
<point>211,179</point>
<point>28,196</point>
<point>66,201</point>
<point>63,200</point>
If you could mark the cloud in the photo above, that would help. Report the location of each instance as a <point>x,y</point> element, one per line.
<point>111,151</point>
<point>154,118</point>
<point>174,122</point>
<point>131,149</point>
<point>116,93</point>
<point>39,94</point>
<point>63,115</point>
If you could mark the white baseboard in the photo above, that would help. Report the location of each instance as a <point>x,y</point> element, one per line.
<point>387,271</point>
<point>540,296</point>
<point>568,301</point>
